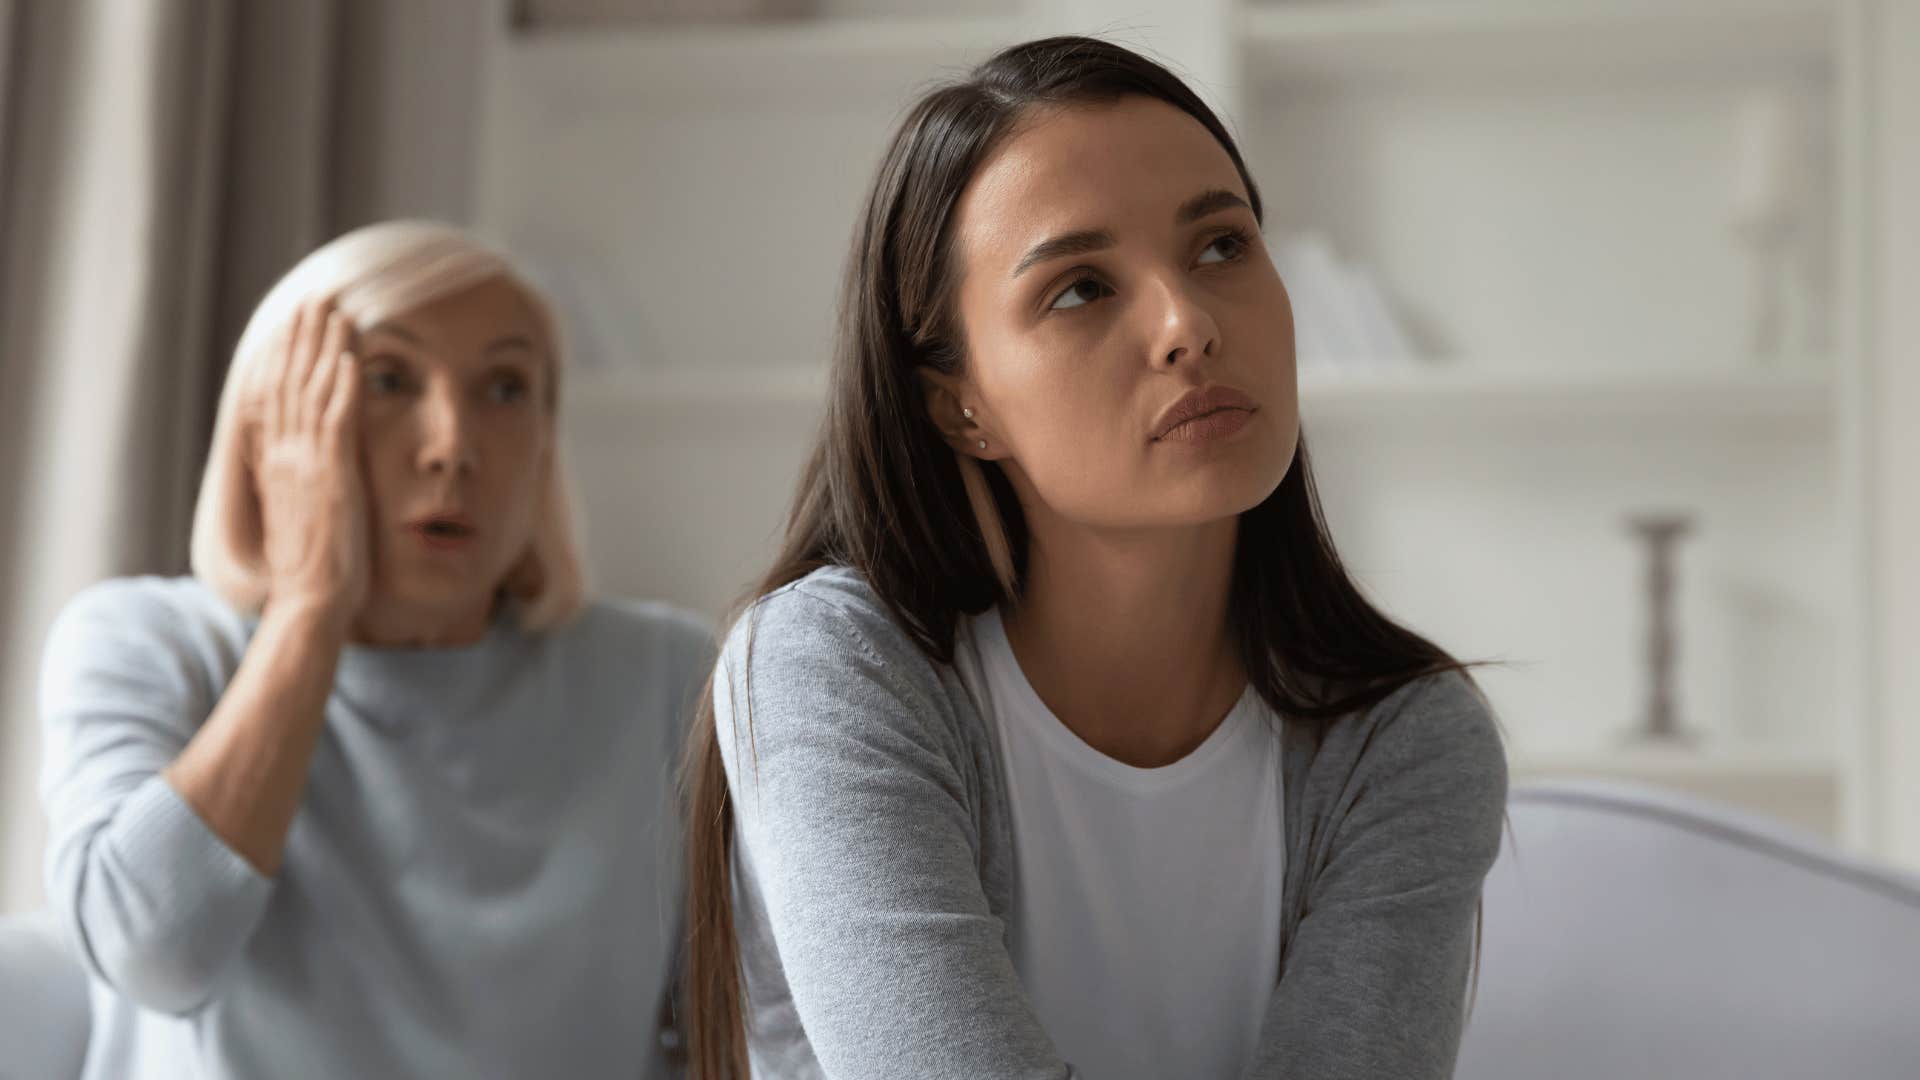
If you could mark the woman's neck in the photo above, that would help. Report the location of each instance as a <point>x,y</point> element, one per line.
<point>390,625</point>
<point>1125,637</point>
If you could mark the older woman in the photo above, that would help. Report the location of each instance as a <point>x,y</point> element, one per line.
<point>375,792</point>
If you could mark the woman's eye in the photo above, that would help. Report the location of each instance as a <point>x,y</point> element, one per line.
<point>506,389</point>
<point>1224,248</point>
<point>385,381</point>
<point>1080,293</point>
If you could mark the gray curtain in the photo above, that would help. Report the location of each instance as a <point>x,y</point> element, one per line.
<point>161,161</point>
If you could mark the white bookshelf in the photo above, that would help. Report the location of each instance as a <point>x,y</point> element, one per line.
<point>825,58</point>
<point>1400,41</point>
<point>1510,401</point>
<point>1450,397</point>
<point>1539,184</point>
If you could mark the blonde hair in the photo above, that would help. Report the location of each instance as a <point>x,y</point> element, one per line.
<point>374,273</point>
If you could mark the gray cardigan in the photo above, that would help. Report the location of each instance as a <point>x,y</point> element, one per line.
<point>874,857</point>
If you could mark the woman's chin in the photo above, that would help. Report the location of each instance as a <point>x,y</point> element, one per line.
<point>1229,491</point>
<point>439,589</point>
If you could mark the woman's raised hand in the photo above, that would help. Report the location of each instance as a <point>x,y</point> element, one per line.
<point>313,501</point>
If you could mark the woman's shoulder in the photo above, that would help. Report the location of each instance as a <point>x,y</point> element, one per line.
<point>832,612</point>
<point>153,598</point>
<point>626,622</point>
<point>820,668</point>
<point>171,634</point>
<point>1441,718</point>
<point>644,640</point>
<point>1433,744</point>
<point>830,640</point>
<point>168,612</point>
<point>1444,704</point>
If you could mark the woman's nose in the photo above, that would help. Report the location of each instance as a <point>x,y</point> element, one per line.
<point>445,442</point>
<point>1184,329</point>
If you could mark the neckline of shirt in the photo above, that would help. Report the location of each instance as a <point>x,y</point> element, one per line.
<point>998,659</point>
<point>396,688</point>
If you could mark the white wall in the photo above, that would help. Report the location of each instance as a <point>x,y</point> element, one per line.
<point>1895,317</point>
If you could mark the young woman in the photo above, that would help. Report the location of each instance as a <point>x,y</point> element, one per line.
<point>1057,742</point>
<point>377,791</point>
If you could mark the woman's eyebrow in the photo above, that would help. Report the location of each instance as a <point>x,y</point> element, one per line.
<point>396,330</point>
<point>1087,241</point>
<point>1073,243</point>
<point>511,341</point>
<point>1208,202</point>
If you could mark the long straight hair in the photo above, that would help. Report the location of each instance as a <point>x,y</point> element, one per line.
<point>884,494</point>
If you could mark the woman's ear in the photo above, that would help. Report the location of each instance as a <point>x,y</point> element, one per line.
<point>959,423</point>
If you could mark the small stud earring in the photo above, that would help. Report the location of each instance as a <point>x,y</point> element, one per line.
<point>968,413</point>
<point>983,444</point>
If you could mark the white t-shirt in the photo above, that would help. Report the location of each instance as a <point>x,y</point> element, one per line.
<point>1146,915</point>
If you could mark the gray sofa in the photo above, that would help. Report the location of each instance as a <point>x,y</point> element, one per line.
<point>1634,933</point>
<point>1629,934</point>
<point>43,1001</point>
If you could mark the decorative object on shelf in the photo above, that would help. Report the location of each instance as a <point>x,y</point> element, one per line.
<point>553,14</point>
<point>1774,168</point>
<point>1661,533</point>
<point>1341,317</point>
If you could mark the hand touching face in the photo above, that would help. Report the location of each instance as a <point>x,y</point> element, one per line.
<point>306,465</point>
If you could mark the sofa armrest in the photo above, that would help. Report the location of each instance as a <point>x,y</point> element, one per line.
<point>45,1017</point>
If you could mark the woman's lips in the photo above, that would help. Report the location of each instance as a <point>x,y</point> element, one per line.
<point>445,533</point>
<point>1207,427</point>
<point>1204,414</point>
<point>443,542</point>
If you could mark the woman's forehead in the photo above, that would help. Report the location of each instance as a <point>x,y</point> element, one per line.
<point>478,315</point>
<point>1091,167</point>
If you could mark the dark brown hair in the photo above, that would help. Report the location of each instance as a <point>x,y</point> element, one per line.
<point>884,493</point>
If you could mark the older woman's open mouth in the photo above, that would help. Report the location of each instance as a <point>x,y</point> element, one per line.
<point>443,532</point>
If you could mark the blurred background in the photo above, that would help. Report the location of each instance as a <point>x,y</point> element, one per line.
<point>1609,312</point>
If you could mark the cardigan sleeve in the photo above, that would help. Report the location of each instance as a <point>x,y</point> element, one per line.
<point>857,831</point>
<point>1376,976</point>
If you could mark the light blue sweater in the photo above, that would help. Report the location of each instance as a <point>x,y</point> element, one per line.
<point>482,879</point>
